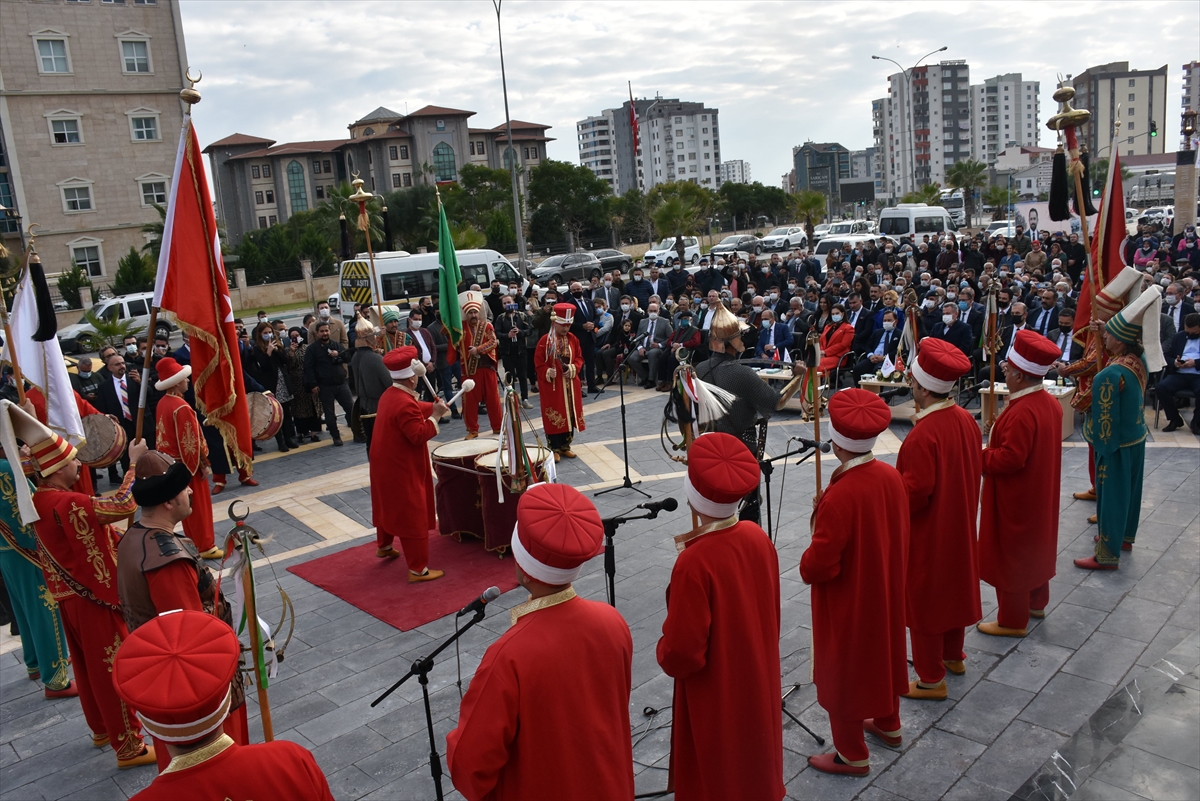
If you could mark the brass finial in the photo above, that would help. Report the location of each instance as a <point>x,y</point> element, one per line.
<point>190,95</point>
<point>359,195</point>
<point>1189,125</point>
<point>1067,117</point>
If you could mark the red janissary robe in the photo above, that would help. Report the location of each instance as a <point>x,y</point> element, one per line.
<point>83,484</point>
<point>941,462</point>
<point>405,507</point>
<point>562,402</point>
<point>547,714</point>
<point>1018,519</point>
<point>177,433</point>
<point>275,771</point>
<point>721,645</point>
<point>856,565</point>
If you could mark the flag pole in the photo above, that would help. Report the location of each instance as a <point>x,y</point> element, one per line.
<point>364,224</point>
<point>18,379</point>
<point>251,612</point>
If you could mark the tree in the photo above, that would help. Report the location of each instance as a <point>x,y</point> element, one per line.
<point>134,274</point>
<point>154,234</point>
<point>631,216</point>
<point>968,175</point>
<point>930,194</point>
<point>70,283</point>
<point>678,218</point>
<point>413,213</point>
<point>571,193</point>
<point>327,215</point>
<point>807,206</point>
<point>109,330</point>
<point>1099,174</point>
<point>999,198</point>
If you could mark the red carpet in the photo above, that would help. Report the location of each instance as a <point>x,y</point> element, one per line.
<point>380,587</point>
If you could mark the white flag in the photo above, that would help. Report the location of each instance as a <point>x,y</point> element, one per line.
<point>888,367</point>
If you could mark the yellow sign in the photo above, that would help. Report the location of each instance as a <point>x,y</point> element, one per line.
<point>356,282</point>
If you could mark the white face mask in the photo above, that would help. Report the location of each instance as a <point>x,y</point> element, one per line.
<point>414,324</point>
<point>947,319</point>
<point>607,283</point>
<point>837,318</point>
<point>1171,300</point>
<point>653,315</point>
<point>624,307</point>
<point>324,314</point>
<point>888,325</point>
<point>750,292</point>
<point>791,287</point>
<point>704,305</point>
<point>772,296</point>
<point>928,303</point>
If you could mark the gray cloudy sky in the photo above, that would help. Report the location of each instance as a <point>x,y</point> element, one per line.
<point>780,73</point>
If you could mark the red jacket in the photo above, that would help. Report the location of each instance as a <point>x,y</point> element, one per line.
<point>275,771</point>
<point>835,343</point>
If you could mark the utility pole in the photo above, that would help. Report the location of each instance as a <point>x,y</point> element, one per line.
<point>512,162</point>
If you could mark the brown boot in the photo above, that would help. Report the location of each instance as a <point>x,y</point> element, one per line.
<point>387,553</point>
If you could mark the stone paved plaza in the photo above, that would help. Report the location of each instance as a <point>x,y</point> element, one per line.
<point>1099,701</point>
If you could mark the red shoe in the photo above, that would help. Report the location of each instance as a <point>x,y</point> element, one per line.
<point>1125,546</point>
<point>70,691</point>
<point>248,482</point>
<point>832,763</point>
<point>1091,564</point>
<point>890,740</point>
<point>217,489</point>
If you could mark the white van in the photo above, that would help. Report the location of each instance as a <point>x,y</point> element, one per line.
<point>914,220</point>
<point>405,278</point>
<point>77,337</point>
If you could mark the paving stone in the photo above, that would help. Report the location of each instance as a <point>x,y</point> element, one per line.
<point>1068,625</point>
<point>1167,737</point>
<point>985,711</point>
<point>811,783</point>
<point>1148,775</point>
<point>1066,703</point>
<point>1104,658</point>
<point>1137,619</point>
<point>350,783</point>
<point>1030,665</point>
<point>1168,637</point>
<point>931,766</point>
<point>100,791</point>
<point>1095,790</point>
<point>351,747</point>
<point>1015,755</point>
<point>969,789</point>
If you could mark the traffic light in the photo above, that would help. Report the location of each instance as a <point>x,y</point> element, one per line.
<point>1153,128</point>
<point>1095,192</point>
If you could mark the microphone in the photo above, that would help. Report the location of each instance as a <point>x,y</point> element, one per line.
<point>977,387</point>
<point>888,394</point>
<point>654,507</point>
<point>489,595</point>
<point>823,447</point>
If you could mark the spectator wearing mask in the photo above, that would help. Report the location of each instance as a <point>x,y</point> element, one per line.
<point>371,378</point>
<point>1035,259</point>
<point>684,340</point>
<point>267,364</point>
<point>1182,373</point>
<point>607,292</point>
<point>337,329</point>
<point>862,320</point>
<point>1046,317</point>
<point>651,338</point>
<point>774,338</point>
<point>1176,305</point>
<point>426,335</point>
<point>951,330</point>
<point>1063,339</point>
<point>325,376</point>
<point>891,301</point>
<point>639,289</point>
<point>512,334</point>
<point>882,345</point>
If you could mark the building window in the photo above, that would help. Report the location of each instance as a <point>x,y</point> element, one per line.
<point>144,129</point>
<point>526,154</point>
<point>272,219</point>
<point>53,57</point>
<point>404,151</point>
<point>65,132</point>
<point>394,153</point>
<point>77,198</point>
<point>443,162</point>
<point>258,197</point>
<point>296,190</point>
<point>472,146</point>
<point>154,192</point>
<point>87,257</point>
<point>370,157</point>
<point>1131,125</point>
<point>254,170</point>
<point>1131,83</point>
<point>266,171</point>
<point>262,222</point>
<point>320,191</point>
<point>678,120</point>
<point>407,179</point>
<point>270,196</point>
<point>1130,112</point>
<point>395,180</point>
<point>136,56</point>
<point>479,149</point>
<point>316,167</point>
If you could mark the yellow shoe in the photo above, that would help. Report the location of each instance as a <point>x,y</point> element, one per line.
<point>99,740</point>
<point>934,693</point>
<point>955,666</point>
<point>1038,613</point>
<point>557,457</point>
<point>996,630</point>
<point>428,575</point>
<point>212,553</point>
<point>1088,495</point>
<point>569,453</point>
<point>471,435</point>
<point>144,758</point>
<point>1093,519</point>
<point>387,553</point>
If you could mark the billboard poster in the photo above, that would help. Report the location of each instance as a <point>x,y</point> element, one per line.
<point>1035,214</point>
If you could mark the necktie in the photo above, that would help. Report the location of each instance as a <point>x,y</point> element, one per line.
<point>125,400</point>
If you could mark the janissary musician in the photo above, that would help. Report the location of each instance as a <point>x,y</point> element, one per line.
<point>557,361</point>
<point>477,351</point>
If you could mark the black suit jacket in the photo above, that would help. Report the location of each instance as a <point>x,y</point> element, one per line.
<point>1076,348</point>
<point>863,328</point>
<point>958,334</point>
<point>976,316</point>
<point>877,337</point>
<point>585,312</point>
<point>111,404</point>
<point>1051,319</point>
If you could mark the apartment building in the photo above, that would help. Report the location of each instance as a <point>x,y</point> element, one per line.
<point>925,126</point>
<point>595,135</point>
<point>1137,97</point>
<point>1191,92</point>
<point>89,124</point>
<point>736,171</point>
<point>1004,114</point>
<point>821,166</point>
<point>883,132</point>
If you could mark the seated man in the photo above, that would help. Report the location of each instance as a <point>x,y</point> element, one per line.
<point>883,343</point>
<point>951,330</point>
<point>680,345</point>
<point>774,338</point>
<point>651,337</point>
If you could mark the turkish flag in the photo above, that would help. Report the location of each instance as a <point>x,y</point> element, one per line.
<point>1108,245</point>
<point>191,284</point>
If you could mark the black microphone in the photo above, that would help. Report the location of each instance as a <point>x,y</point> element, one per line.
<point>489,595</point>
<point>888,394</point>
<point>823,447</point>
<point>654,507</point>
<point>977,387</point>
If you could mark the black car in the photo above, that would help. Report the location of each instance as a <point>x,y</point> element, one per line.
<point>736,242</point>
<point>613,260</point>
<point>567,267</point>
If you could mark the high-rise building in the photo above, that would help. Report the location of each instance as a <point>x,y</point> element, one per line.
<point>884,135</point>
<point>89,117</point>
<point>1191,86</point>
<point>736,171</point>
<point>595,135</point>
<point>677,141</point>
<point>928,124</point>
<point>1140,97</point>
<point>1004,114</point>
<point>821,166</point>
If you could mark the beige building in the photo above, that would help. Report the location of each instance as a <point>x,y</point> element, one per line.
<point>89,123</point>
<point>1137,97</point>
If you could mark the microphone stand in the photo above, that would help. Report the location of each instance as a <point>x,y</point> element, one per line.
<point>620,376</point>
<point>421,669</point>
<point>768,470</point>
<point>820,740</point>
<point>610,549</point>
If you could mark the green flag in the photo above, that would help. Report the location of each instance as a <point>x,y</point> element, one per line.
<point>449,277</point>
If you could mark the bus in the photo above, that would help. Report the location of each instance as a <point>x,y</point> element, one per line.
<point>952,201</point>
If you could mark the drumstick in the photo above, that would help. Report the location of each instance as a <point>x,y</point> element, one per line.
<point>419,369</point>
<point>467,386</point>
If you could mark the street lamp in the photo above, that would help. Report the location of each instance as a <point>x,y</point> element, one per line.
<point>512,162</point>
<point>907,73</point>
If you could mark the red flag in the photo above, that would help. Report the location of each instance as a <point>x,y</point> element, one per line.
<point>1108,244</point>
<point>191,283</point>
<point>633,121</point>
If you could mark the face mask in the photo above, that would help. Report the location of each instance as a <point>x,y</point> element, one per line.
<point>624,307</point>
<point>766,269</point>
<point>704,305</point>
<point>924,283</point>
<point>947,319</point>
<point>964,284</point>
<point>131,348</point>
<point>415,324</point>
<point>324,314</point>
<point>1018,319</point>
<point>837,318</point>
<point>85,375</point>
<point>962,305</point>
<point>637,278</point>
<point>773,296</point>
<point>684,322</point>
<point>607,283</point>
<point>1165,282</point>
<point>1062,294</point>
<point>888,325</point>
<point>791,287</point>
<point>928,303</point>
<point>1171,300</point>
<point>951,297</point>
<point>653,315</point>
<point>266,336</point>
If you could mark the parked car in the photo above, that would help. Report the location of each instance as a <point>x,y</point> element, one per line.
<point>568,267</point>
<point>851,228</point>
<point>736,242</point>
<point>664,251</point>
<point>77,338</point>
<point>785,238</point>
<point>820,231</point>
<point>613,260</point>
<point>1163,215</point>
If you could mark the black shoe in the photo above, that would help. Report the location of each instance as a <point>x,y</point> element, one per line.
<point>291,443</point>
<point>1172,426</point>
<point>337,442</point>
<point>257,449</point>
<point>647,385</point>
<point>454,414</point>
<point>593,388</point>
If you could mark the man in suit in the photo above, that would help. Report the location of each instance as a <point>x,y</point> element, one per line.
<point>1183,372</point>
<point>774,338</point>
<point>862,320</point>
<point>651,337</point>
<point>583,323</point>
<point>119,397</point>
<point>883,342</point>
<point>974,315</point>
<point>1177,305</point>
<point>658,285</point>
<point>1064,340</point>
<point>1045,318</point>
<point>609,293</point>
<point>951,329</point>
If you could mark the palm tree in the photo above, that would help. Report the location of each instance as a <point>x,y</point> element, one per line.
<point>676,217</point>
<point>999,198</point>
<point>155,230</point>
<point>968,175</point>
<point>807,206</point>
<point>1099,172</point>
<point>929,194</point>
<point>337,203</point>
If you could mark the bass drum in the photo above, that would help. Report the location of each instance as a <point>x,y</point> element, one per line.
<point>266,415</point>
<point>457,500</point>
<point>500,518</point>
<point>106,440</point>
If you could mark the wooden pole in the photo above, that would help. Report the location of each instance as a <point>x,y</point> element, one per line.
<point>18,379</point>
<point>145,382</point>
<point>264,703</point>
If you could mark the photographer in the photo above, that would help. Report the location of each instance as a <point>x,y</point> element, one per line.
<point>512,333</point>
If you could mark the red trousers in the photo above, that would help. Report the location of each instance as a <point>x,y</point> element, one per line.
<point>235,725</point>
<point>198,526</point>
<point>1015,606</point>
<point>850,740</point>
<point>488,391</point>
<point>416,549</point>
<point>929,651</point>
<point>94,633</point>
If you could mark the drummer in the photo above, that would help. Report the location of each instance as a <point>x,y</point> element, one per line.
<point>404,509</point>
